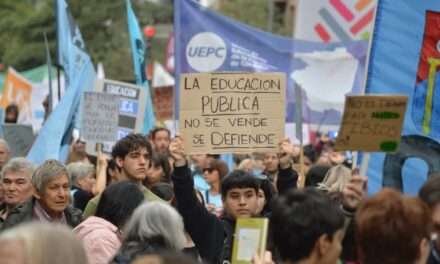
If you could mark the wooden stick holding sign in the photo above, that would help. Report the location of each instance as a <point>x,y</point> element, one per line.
<point>232,112</point>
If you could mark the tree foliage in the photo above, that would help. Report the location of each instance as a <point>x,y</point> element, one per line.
<point>103,24</point>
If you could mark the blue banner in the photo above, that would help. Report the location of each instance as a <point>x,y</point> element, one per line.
<point>138,50</point>
<point>54,137</point>
<point>206,42</point>
<point>404,59</point>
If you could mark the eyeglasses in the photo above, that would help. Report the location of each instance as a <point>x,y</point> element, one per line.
<point>209,170</point>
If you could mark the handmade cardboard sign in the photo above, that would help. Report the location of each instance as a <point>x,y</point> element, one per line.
<point>372,123</point>
<point>232,112</point>
<point>19,137</point>
<point>100,113</point>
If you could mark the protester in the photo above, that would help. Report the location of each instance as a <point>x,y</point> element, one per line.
<point>266,194</point>
<point>16,180</point>
<point>77,152</point>
<point>101,234</point>
<point>165,258</point>
<point>83,183</point>
<point>307,227</point>
<point>316,175</point>
<point>11,114</point>
<point>5,153</point>
<point>132,156</point>
<point>158,171</point>
<point>161,138</point>
<point>51,198</point>
<point>198,162</point>
<point>239,196</point>
<point>213,174</point>
<point>271,162</point>
<point>430,194</point>
<point>392,228</point>
<point>41,243</point>
<point>153,228</point>
<point>164,191</point>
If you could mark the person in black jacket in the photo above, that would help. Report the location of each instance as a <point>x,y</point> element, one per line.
<point>213,236</point>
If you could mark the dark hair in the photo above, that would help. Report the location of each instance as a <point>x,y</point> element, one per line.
<point>430,191</point>
<point>220,166</point>
<point>118,202</point>
<point>239,179</point>
<point>299,218</point>
<point>316,175</point>
<point>269,193</point>
<point>390,228</point>
<point>12,108</point>
<point>161,160</point>
<point>310,153</point>
<point>130,143</point>
<point>157,130</point>
<point>164,190</point>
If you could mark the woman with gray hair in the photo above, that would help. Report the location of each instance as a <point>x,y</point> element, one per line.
<point>153,228</point>
<point>41,243</point>
<point>83,183</point>
<point>51,199</point>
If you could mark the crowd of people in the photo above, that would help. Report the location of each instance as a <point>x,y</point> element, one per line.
<point>151,202</point>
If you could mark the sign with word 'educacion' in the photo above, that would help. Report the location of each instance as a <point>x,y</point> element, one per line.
<point>99,117</point>
<point>232,112</point>
<point>372,123</point>
<point>132,103</point>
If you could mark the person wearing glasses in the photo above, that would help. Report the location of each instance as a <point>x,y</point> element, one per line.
<point>213,174</point>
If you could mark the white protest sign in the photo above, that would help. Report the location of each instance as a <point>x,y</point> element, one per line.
<point>232,112</point>
<point>99,121</point>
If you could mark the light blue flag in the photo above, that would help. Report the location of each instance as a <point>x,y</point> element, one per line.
<point>54,138</point>
<point>138,54</point>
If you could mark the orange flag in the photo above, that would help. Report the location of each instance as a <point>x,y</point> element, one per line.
<point>18,90</point>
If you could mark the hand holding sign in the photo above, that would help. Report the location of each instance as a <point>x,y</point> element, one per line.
<point>177,151</point>
<point>286,152</point>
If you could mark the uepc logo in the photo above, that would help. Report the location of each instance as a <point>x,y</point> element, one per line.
<point>206,52</point>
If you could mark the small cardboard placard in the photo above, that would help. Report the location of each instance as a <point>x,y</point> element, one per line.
<point>100,113</point>
<point>232,112</point>
<point>372,123</point>
<point>19,137</point>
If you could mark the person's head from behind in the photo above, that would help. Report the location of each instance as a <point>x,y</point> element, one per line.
<point>82,175</point>
<point>239,194</point>
<point>165,258</point>
<point>5,153</point>
<point>430,194</point>
<point>41,243</point>
<point>392,228</point>
<point>161,138</point>
<point>11,113</point>
<point>164,191</point>
<point>215,171</point>
<point>16,178</point>
<point>159,170</point>
<point>52,187</point>
<point>307,226</point>
<point>156,223</point>
<point>132,156</point>
<point>118,201</point>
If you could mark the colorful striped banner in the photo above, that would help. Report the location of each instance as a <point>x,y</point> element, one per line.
<point>362,4</point>
<point>334,25</point>
<point>363,22</point>
<point>342,9</point>
<point>322,32</point>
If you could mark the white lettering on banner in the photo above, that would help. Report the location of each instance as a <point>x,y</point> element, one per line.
<point>206,52</point>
